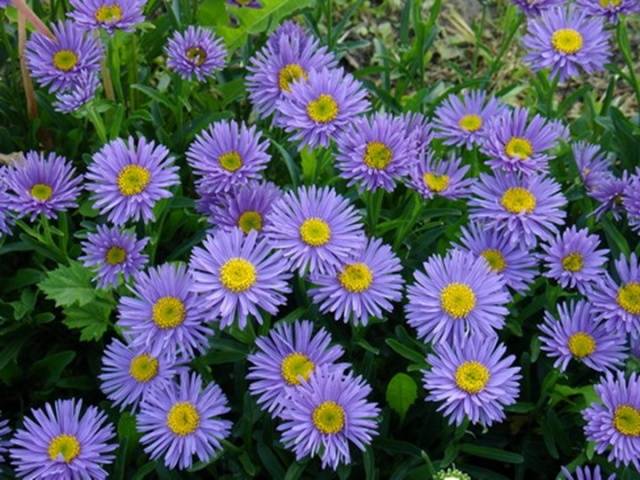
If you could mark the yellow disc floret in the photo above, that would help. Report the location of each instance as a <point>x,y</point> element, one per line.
<point>567,40</point>
<point>250,220</point>
<point>581,344</point>
<point>629,298</point>
<point>115,256</point>
<point>436,183</point>
<point>41,192</point>
<point>323,109</point>
<point>168,312</point>
<point>470,122</point>
<point>230,161</point>
<point>289,74</point>
<point>573,262</point>
<point>65,446</point>
<point>183,418</point>
<point>518,200</point>
<point>315,232</point>
<point>238,275</point>
<point>196,55</point>
<point>626,420</point>
<point>472,377</point>
<point>65,60</point>
<point>109,13</point>
<point>457,299</point>
<point>495,259</point>
<point>329,417</point>
<point>133,180</point>
<point>519,147</point>
<point>143,368</point>
<point>296,366</point>
<point>356,277</point>
<point>377,155</point>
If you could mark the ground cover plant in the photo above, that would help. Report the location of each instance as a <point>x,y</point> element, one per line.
<point>314,239</point>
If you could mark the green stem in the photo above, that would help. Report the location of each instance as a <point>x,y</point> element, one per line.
<point>330,24</point>
<point>622,34</point>
<point>133,71</point>
<point>476,47</point>
<point>373,201</point>
<point>495,65</point>
<point>97,122</point>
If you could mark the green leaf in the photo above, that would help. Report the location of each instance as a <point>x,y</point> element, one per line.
<point>406,352</point>
<point>68,286</point>
<point>92,320</point>
<point>402,392</point>
<point>252,20</point>
<point>50,368</point>
<point>491,453</point>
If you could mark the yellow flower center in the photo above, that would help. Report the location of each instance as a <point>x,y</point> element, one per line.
<point>495,259</point>
<point>64,445</point>
<point>573,262</point>
<point>627,420</point>
<point>356,277</point>
<point>133,180</point>
<point>315,232</point>
<point>196,55</point>
<point>183,418</point>
<point>436,183</point>
<point>472,377</point>
<point>289,74</point>
<point>169,312</point>
<point>377,155</point>
<point>323,109</point>
<point>457,299</point>
<point>629,298</point>
<point>109,13</point>
<point>610,3</point>
<point>230,161</point>
<point>250,220</point>
<point>41,192</point>
<point>238,275</point>
<point>567,40</point>
<point>65,60</point>
<point>116,255</point>
<point>328,417</point>
<point>518,200</point>
<point>295,366</point>
<point>143,368</point>
<point>470,122</point>
<point>519,148</point>
<point>581,344</point>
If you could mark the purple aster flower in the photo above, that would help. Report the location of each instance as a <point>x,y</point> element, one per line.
<point>585,473</point>
<point>316,110</point>
<point>514,262</point>
<point>465,122</point>
<point>516,143</point>
<point>535,7</point>
<point>615,423</point>
<point>128,374</point>
<point>326,414</point>
<point>472,379</point>
<point>573,259</point>
<point>4,443</point>
<point>374,152</point>
<point>316,229</point>
<point>127,179</point>
<point>228,154</point>
<point>617,304</point>
<point>6,216</point>
<point>238,275</point>
<point>610,194</point>
<point>631,201</point>
<point>4,3</point>
<point>165,312</point>
<point>289,56</point>
<point>110,15</point>
<point>58,62</point>
<point>60,441</point>
<point>577,336</point>
<point>42,184</point>
<point>363,287</point>
<point>431,177</point>
<point>246,207</point>
<point>113,252</point>
<point>195,54</point>
<point>285,359</point>
<point>181,420</point>
<point>593,166</point>
<point>567,41</point>
<point>80,93</point>
<point>245,3</point>
<point>522,208</point>
<point>419,129</point>
<point>456,295</point>
<point>612,10</point>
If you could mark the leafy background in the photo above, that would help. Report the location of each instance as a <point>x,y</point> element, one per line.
<point>54,324</point>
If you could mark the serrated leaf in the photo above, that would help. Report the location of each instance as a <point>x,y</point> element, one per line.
<point>402,392</point>
<point>92,320</point>
<point>69,285</point>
